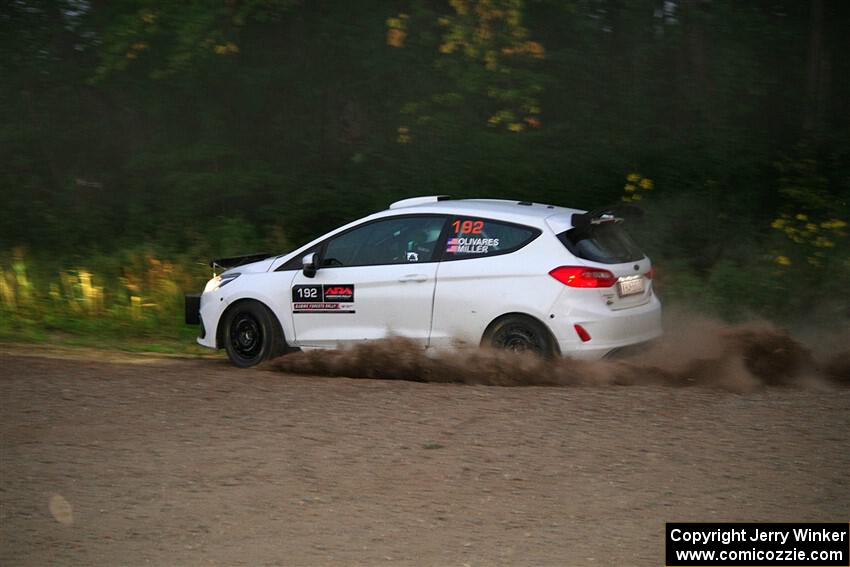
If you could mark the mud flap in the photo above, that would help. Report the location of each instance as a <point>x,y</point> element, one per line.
<point>193,308</point>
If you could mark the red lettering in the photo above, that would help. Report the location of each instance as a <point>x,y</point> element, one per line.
<point>468,227</point>
<point>338,291</point>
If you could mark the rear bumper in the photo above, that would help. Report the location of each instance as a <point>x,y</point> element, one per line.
<point>613,330</point>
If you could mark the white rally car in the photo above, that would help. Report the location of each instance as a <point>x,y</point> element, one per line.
<point>442,272</point>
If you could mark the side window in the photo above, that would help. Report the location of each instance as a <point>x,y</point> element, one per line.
<point>471,237</point>
<point>400,240</point>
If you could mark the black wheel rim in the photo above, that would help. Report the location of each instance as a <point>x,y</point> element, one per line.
<point>519,339</point>
<point>246,336</point>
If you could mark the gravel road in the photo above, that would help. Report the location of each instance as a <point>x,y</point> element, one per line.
<point>137,460</point>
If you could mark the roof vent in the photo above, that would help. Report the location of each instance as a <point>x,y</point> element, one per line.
<point>414,201</point>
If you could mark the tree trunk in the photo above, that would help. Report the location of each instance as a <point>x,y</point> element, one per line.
<point>813,110</point>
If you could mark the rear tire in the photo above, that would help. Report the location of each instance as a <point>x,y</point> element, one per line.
<point>251,334</point>
<point>519,333</point>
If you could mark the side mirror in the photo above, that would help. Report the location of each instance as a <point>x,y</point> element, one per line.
<point>308,263</point>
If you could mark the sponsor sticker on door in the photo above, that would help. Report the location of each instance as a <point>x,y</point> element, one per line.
<point>328,298</point>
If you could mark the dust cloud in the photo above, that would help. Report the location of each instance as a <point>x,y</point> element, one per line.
<point>695,351</point>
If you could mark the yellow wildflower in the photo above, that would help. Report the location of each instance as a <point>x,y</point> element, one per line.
<point>396,37</point>
<point>227,48</point>
<point>646,184</point>
<point>460,7</point>
<point>447,47</point>
<point>483,33</point>
<point>783,260</point>
<point>535,49</point>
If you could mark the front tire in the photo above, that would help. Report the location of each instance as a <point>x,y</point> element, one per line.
<point>252,334</point>
<point>518,333</point>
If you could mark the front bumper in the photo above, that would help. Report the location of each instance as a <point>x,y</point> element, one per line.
<point>212,307</point>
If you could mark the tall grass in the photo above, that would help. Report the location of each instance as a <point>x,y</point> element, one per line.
<point>134,298</point>
<point>130,295</point>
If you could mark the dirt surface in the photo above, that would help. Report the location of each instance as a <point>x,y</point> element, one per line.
<point>139,460</point>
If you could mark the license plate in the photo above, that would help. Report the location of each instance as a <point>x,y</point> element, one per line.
<point>630,286</point>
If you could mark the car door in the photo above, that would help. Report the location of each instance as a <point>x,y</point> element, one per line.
<point>374,280</point>
<point>483,275</point>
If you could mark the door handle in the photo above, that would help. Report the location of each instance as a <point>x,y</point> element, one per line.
<point>413,278</point>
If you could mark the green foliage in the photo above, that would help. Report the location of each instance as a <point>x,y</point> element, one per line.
<point>130,295</point>
<point>166,38</point>
<point>178,131</point>
<point>487,61</point>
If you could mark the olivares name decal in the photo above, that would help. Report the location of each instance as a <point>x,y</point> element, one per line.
<point>329,298</point>
<point>471,245</point>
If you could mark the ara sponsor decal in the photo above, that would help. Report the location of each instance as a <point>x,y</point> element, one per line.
<point>323,298</point>
<point>464,245</point>
<point>344,293</point>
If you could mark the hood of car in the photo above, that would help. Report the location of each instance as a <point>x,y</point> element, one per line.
<point>246,263</point>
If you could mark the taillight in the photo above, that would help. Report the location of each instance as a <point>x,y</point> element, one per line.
<point>582,276</point>
<point>582,333</point>
<point>650,274</point>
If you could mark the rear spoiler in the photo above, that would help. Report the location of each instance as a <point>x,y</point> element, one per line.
<point>233,261</point>
<point>615,213</point>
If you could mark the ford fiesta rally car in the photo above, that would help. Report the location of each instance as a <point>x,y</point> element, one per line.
<point>516,275</point>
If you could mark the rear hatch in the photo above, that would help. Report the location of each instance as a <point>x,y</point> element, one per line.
<point>599,240</point>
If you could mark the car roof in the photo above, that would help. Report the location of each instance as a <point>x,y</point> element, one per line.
<point>525,212</point>
<point>539,215</point>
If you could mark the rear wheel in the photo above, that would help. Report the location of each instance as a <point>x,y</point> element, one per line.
<point>251,334</point>
<point>518,333</point>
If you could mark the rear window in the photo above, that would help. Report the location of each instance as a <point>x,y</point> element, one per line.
<point>606,243</point>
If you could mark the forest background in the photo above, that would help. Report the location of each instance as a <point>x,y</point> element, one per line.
<point>140,138</point>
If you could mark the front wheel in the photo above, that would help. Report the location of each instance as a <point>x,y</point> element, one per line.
<point>251,334</point>
<point>517,333</point>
